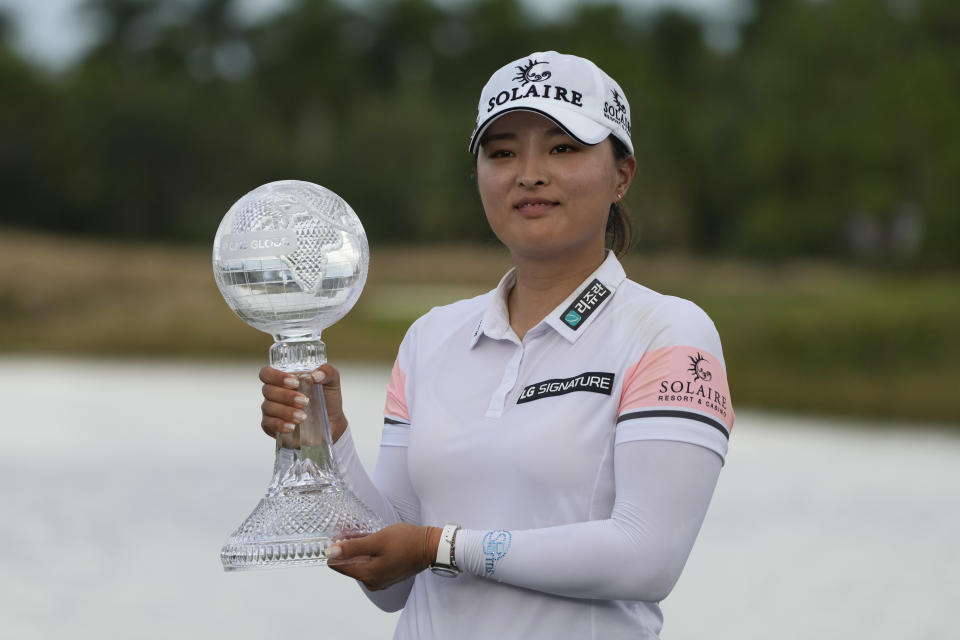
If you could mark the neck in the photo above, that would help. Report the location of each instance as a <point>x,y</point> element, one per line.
<point>543,284</point>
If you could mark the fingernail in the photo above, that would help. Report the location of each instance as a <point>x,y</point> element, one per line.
<point>289,426</point>
<point>299,416</point>
<point>302,400</point>
<point>319,376</point>
<point>291,382</point>
<point>332,552</point>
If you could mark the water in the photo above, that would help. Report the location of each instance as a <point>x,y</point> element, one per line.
<point>119,482</point>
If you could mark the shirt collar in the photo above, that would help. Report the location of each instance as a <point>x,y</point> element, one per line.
<point>570,318</point>
<point>495,322</point>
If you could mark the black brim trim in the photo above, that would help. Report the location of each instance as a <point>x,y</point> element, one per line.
<point>475,139</point>
<point>675,413</point>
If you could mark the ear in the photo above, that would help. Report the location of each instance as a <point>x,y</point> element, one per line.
<point>625,168</point>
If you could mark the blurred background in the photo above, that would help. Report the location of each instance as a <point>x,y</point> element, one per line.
<point>797,164</point>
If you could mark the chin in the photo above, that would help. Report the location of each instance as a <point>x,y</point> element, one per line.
<point>546,249</point>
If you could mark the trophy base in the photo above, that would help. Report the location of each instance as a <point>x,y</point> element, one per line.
<point>293,526</point>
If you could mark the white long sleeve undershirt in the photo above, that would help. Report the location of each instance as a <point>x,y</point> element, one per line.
<point>396,502</point>
<point>663,489</point>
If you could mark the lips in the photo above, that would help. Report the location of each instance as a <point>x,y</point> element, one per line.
<point>534,205</point>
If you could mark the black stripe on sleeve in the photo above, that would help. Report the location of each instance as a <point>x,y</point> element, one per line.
<point>392,421</point>
<point>675,413</point>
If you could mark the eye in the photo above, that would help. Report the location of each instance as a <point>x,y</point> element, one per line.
<point>563,148</point>
<point>500,153</point>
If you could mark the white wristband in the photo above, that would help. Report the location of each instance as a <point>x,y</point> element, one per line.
<point>446,563</point>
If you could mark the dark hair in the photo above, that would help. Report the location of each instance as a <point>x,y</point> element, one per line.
<point>619,227</point>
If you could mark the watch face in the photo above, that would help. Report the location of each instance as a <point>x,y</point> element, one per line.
<point>445,572</point>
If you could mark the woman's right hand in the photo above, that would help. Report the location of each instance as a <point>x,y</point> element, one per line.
<point>284,406</point>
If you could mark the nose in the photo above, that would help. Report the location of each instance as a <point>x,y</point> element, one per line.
<point>532,172</point>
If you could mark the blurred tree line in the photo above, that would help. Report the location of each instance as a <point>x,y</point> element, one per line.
<point>815,128</point>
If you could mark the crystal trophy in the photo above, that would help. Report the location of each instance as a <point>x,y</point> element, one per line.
<point>290,258</point>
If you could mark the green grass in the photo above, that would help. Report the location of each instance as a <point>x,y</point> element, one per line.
<point>802,337</point>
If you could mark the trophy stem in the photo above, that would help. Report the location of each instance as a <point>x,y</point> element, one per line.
<point>298,355</point>
<point>311,440</point>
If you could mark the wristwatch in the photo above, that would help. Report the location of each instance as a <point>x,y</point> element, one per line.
<point>446,563</point>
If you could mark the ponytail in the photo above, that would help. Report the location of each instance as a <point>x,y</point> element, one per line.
<point>619,227</point>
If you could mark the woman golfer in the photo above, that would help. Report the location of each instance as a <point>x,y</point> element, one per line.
<point>549,448</point>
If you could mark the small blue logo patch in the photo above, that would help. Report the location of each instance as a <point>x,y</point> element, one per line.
<point>572,318</point>
<point>495,545</point>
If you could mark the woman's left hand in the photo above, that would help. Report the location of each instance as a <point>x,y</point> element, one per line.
<point>393,554</point>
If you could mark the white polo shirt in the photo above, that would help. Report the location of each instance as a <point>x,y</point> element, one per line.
<point>508,434</point>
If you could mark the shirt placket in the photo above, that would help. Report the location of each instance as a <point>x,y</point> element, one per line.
<point>511,371</point>
<point>507,382</point>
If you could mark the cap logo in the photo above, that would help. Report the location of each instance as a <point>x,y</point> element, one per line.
<point>617,112</point>
<point>616,101</point>
<point>526,73</point>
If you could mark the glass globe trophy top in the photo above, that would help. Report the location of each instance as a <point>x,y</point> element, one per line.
<point>291,258</point>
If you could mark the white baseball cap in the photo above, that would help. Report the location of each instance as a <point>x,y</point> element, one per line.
<point>570,90</point>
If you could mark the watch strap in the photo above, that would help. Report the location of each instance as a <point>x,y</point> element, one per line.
<point>446,561</point>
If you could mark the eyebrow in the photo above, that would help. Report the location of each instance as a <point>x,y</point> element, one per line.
<point>509,135</point>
